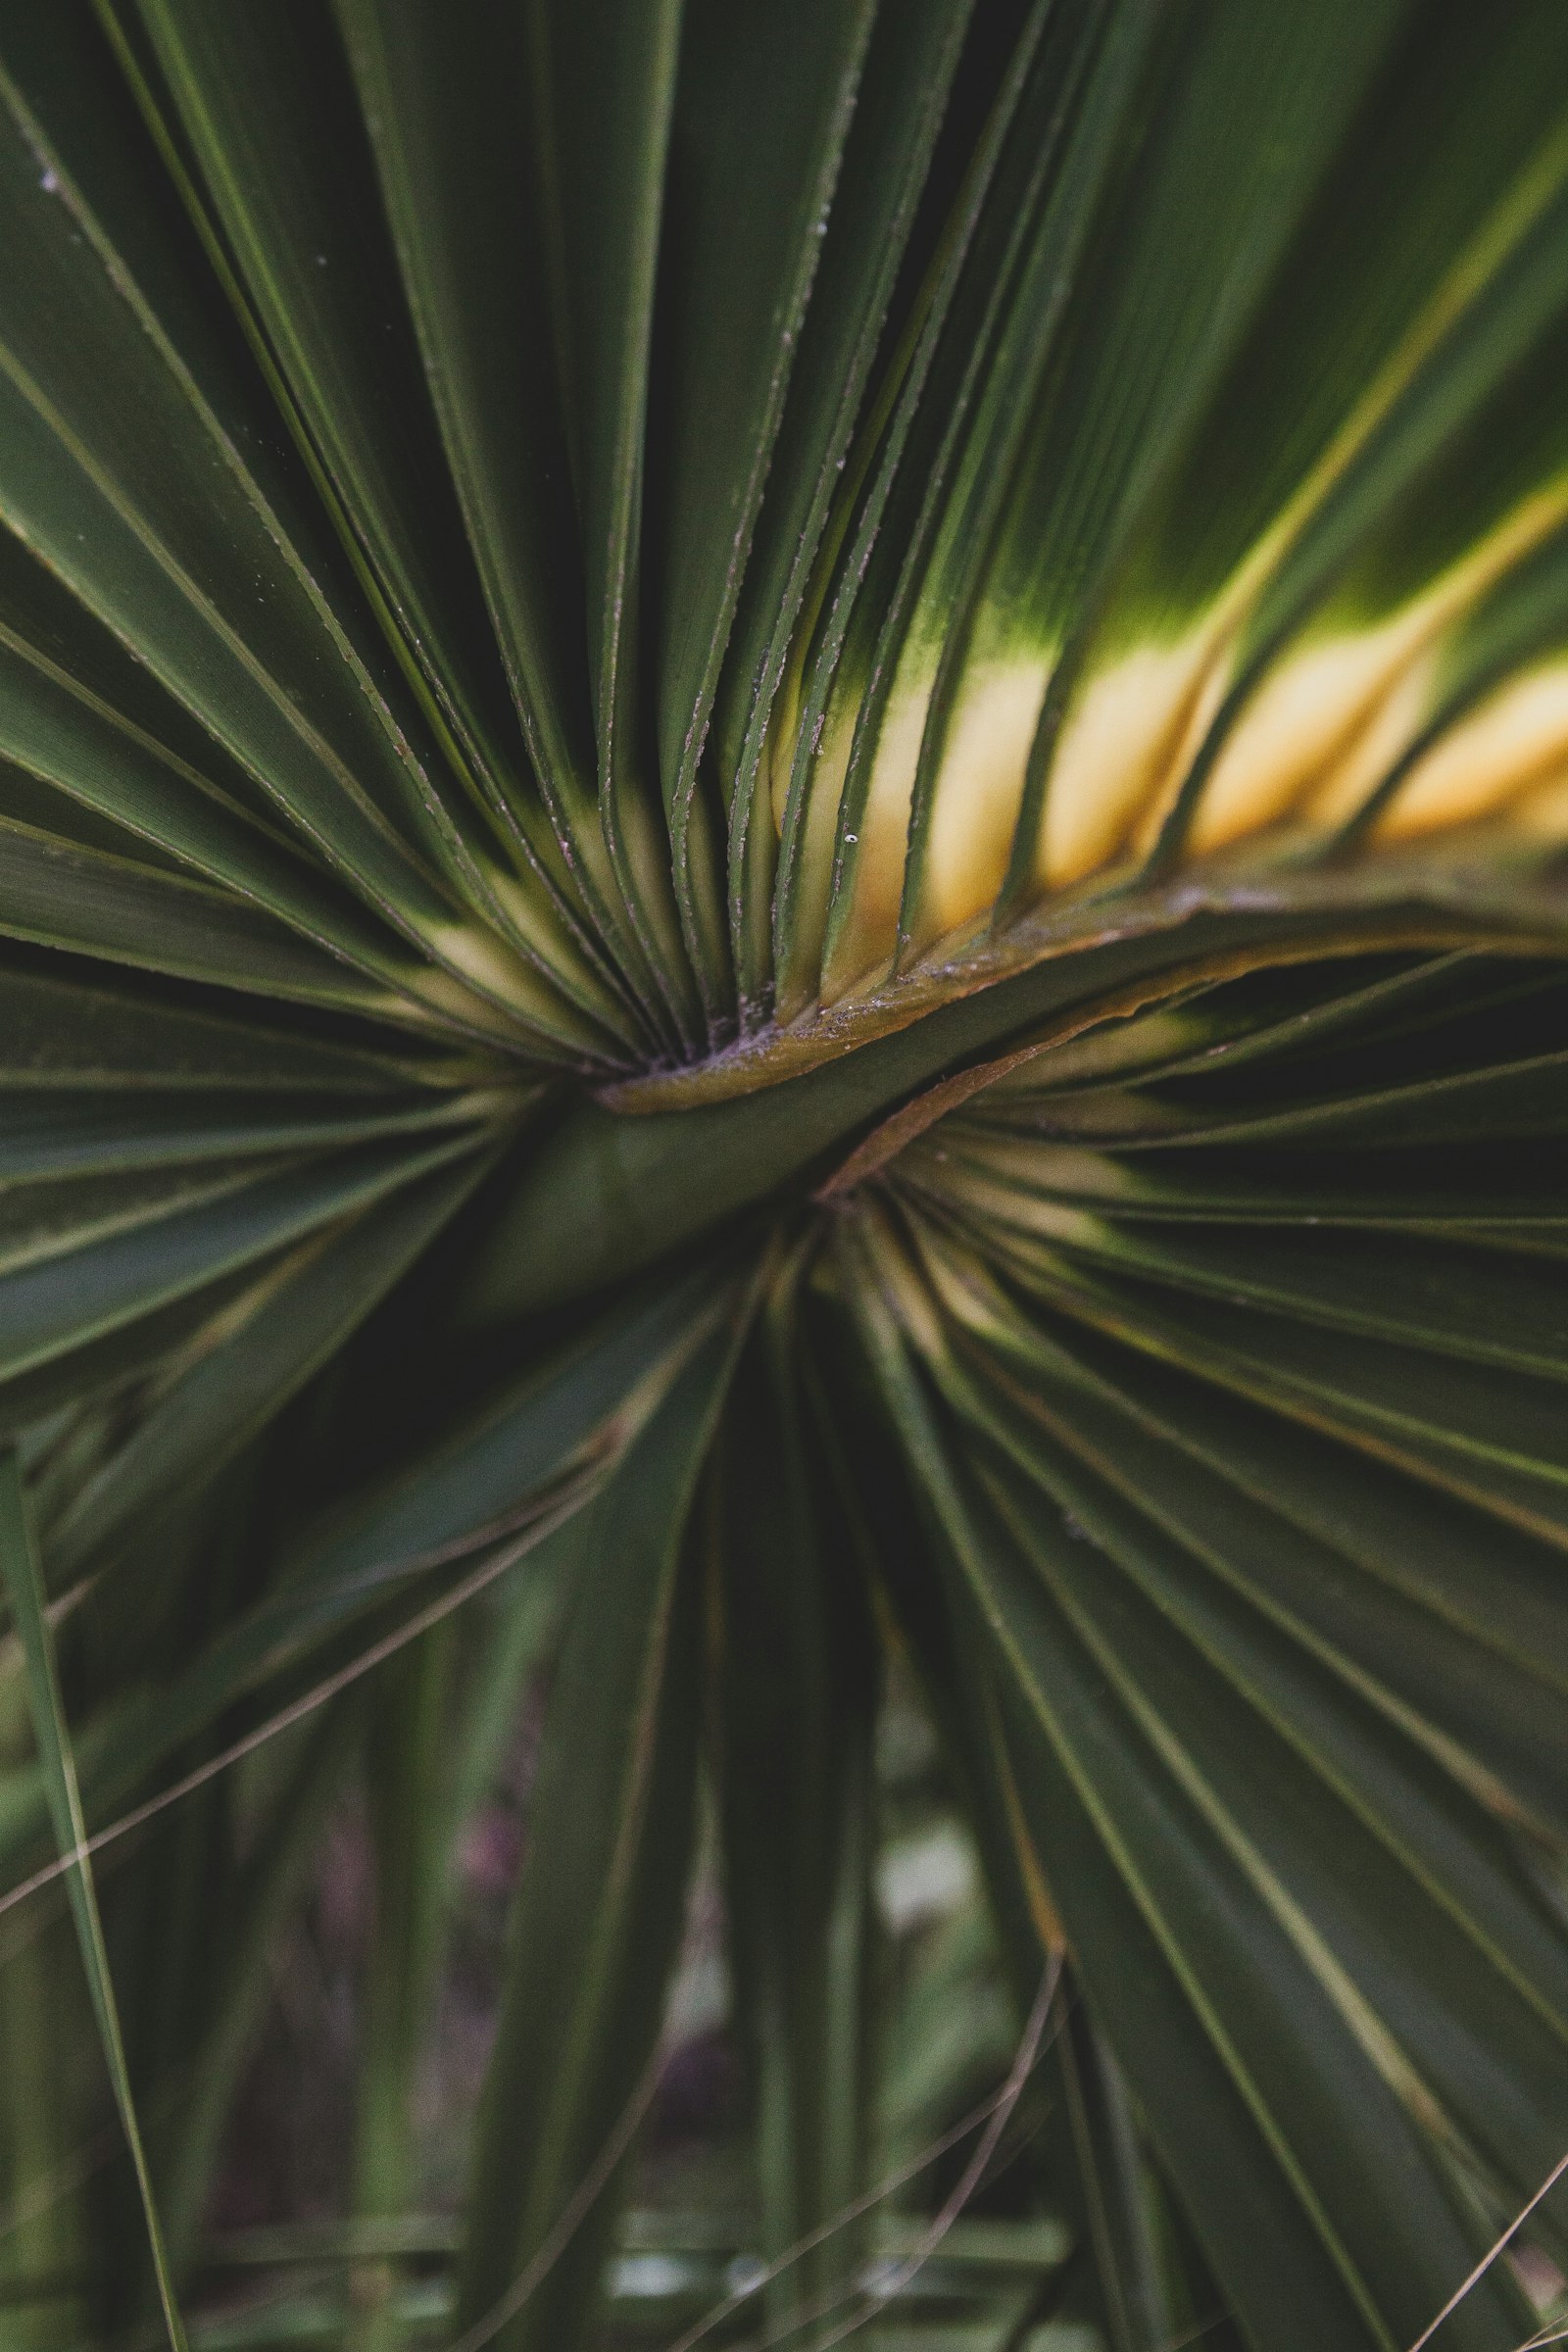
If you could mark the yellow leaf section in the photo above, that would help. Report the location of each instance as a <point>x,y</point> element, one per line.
<point>1324,727</point>
<point>1131,729</point>
<point>975,811</point>
<point>818,828</point>
<point>485,986</point>
<point>868,932</point>
<point>1510,753</point>
<point>1137,723</point>
<point>1329,722</point>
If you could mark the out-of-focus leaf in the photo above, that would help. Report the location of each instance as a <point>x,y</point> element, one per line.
<point>24,1588</point>
<point>405,1732</point>
<point>793,1666</point>
<point>601,1900</point>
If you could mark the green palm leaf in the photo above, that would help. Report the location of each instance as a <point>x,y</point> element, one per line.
<point>783,798</point>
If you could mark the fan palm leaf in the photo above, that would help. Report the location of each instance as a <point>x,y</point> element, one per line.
<point>783,798</point>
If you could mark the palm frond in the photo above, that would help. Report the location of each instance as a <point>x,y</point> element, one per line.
<point>783,798</point>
